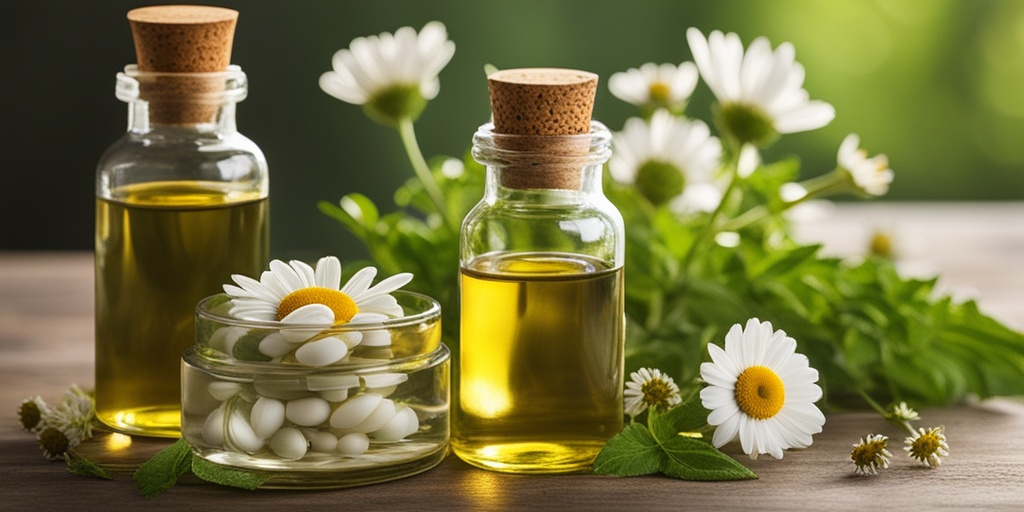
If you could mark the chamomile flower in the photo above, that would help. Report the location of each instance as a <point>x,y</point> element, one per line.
<point>901,413</point>
<point>391,75</point>
<point>73,416</point>
<point>31,412</point>
<point>313,300</point>
<point>653,86</point>
<point>871,176</point>
<point>648,387</point>
<point>870,454</point>
<point>928,446</point>
<point>666,157</point>
<point>760,91</point>
<point>761,391</point>
<point>53,442</point>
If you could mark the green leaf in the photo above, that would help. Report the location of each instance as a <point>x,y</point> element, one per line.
<point>163,470</point>
<point>693,459</point>
<point>632,452</point>
<point>82,466</point>
<point>687,417</point>
<point>223,475</point>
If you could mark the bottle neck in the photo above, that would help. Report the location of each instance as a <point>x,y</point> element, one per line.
<point>543,168</point>
<point>186,102</point>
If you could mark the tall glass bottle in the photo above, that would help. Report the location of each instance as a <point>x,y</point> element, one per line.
<point>181,204</point>
<point>539,386</point>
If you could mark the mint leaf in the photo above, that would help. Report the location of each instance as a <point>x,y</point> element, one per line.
<point>692,459</point>
<point>632,452</point>
<point>163,470</point>
<point>82,466</point>
<point>689,416</point>
<point>223,475</point>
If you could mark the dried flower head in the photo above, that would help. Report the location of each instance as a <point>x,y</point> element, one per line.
<point>928,446</point>
<point>73,416</point>
<point>31,412</point>
<point>53,443</point>
<point>870,454</point>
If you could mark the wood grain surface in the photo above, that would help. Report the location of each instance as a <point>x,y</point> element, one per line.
<point>46,343</point>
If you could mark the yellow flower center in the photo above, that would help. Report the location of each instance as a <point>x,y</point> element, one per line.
<point>343,306</point>
<point>659,92</point>
<point>926,446</point>
<point>870,453</point>
<point>759,392</point>
<point>657,393</point>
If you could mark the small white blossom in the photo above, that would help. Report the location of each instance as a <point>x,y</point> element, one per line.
<point>391,74</point>
<point>871,176</point>
<point>648,387</point>
<point>654,86</point>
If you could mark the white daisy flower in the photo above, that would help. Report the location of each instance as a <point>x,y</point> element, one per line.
<point>761,391</point>
<point>295,293</point>
<point>666,157</point>
<point>760,92</point>
<point>870,454</point>
<point>871,176</point>
<point>392,75</point>
<point>648,387</point>
<point>31,412</point>
<point>73,416</point>
<point>654,86</point>
<point>928,446</point>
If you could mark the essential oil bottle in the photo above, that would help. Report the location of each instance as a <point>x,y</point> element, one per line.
<point>539,386</point>
<point>181,204</point>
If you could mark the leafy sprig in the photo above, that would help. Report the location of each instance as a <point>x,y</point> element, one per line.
<point>671,444</point>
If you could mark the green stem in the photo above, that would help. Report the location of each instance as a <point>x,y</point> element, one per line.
<point>710,225</point>
<point>874,405</point>
<point>419,165</point>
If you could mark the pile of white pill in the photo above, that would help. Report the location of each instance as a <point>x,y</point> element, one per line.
<point>326,414</point>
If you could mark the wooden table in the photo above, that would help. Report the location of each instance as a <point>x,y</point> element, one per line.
<point>46,344</point>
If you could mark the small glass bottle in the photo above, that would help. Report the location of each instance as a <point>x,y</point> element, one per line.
<point>539,386</point>
<point>181,204</point>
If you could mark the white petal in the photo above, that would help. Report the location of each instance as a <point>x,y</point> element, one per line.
<point>328,272</point>
<point>387,285</point>
<point>359,282</point>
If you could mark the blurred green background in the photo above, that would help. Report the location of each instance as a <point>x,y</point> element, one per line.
<point>937,85</point>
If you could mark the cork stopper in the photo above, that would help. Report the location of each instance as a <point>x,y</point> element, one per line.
<point>542,101</point>
<point>182,39</point>
<point>544,110</point>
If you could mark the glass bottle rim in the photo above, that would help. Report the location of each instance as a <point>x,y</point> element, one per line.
<point>235,88</point>
<point>584,149</point>
<point>431,311</point>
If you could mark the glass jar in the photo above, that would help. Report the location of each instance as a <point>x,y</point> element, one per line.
<point>378,414</point>
<point>181,204</point>
<point>539,386</point>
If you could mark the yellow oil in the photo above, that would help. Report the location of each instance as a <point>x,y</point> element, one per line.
<point>541,357</point>
<point>160,248</point>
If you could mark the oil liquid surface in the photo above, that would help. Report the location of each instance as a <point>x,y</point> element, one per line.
<point>541,357</point>
<point>160,248</point>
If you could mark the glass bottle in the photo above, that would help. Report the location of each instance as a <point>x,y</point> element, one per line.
<point>181,204</point>
<point>539,386</point>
